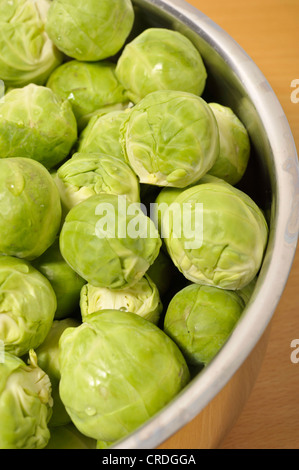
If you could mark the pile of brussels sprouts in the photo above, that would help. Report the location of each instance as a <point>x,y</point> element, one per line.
<point>101,329</point>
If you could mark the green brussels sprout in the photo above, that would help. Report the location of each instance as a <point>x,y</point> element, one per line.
<point>91,88</point>
<point>68,437</point>
<point>103,444</point>
<point>27,53</point>
<point>200,319</point>
<point>164,199</point>
<point>90,31</point>
<point>48,360</point>
<point>88,174</point>
<point>3,90</point>
<point>170,138</point>
<point>67,284</point>
<point>234,154</point>
<point>142,298</point>
<point>30,208</point>
<point>28,305</point>
<point>160,59</point>
<point>36,124</point>
<point>109,242</point>
<point>215,234</point>
<point>102,135</point>
<point>25,404</point>
<point>117,371</point>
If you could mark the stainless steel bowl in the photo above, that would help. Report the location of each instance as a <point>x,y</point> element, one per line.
<point>217,395</point>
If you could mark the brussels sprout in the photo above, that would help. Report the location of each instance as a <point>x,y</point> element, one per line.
<point>160,59</point>
<point>25,404</point>
<point>28,305</point>
<point>88,174</point>
<point>48,360</point>
<point>215,234</point>
<point>3,90</point>
<point>170,138</point>
<point>109,241</point>
<point>91,88</point>
<point>164,199</point>
<point>68,437</point>
<point>200,319</point>
<point>103,444</point>
<point>102,135</point>
<point>27,53</point>
<point>142,298</point>
<point>67,284</point>
<point>30,209</point>
<point>234,152</point>
<point>118,370</point>
<point>36,124</point>
<point>90,31</point>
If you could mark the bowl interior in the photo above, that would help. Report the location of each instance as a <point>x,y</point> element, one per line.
<point>271,180</point>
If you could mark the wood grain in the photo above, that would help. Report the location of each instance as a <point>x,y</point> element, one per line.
<point>268,30</point>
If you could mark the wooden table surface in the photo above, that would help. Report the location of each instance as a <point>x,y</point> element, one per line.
<point>268,30</point>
